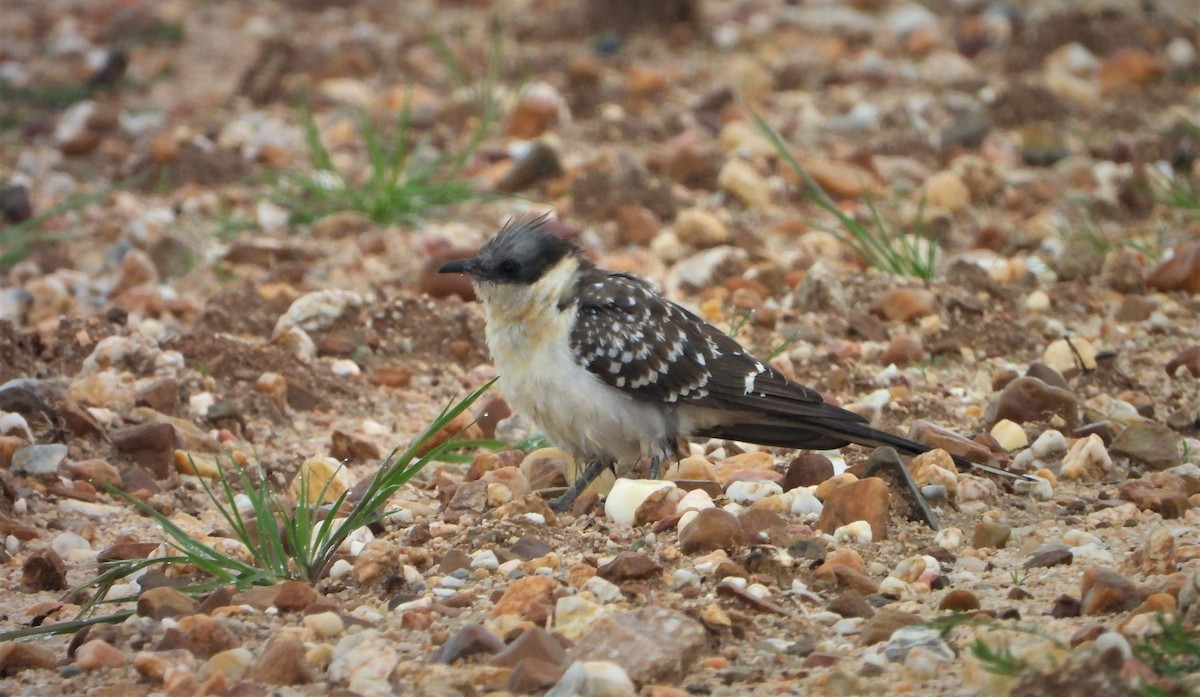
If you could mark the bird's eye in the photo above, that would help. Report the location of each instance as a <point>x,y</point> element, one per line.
<point>508,267</point>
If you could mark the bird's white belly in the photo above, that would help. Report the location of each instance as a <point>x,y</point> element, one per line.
<point>571,406</point>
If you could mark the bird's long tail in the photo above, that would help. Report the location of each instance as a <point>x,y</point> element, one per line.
<point>816,433</point>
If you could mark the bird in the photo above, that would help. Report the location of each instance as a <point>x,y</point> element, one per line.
<point>610,371</point>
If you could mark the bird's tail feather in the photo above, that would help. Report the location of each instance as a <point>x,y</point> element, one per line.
<point>863,434</point>
<point>826,434</point>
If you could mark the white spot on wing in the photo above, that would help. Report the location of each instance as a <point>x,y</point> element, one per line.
<point>750,382</point>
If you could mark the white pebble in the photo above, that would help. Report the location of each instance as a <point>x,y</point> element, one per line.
<point>344,368</point>
<point>694,500</point>
<point>67,542</point>
<point>535,518</point>
<point>1050,446</point>
<point>13,422</point>
<point>418,604</point>
<point>325,624</point>
<point>858,532</point>
<point>1063,355</point>
<point>1009,435</point>
<point>892,587</point>
<point>749,492</point>
<point>201,402</point>
<point>970,564</point>
<point>593,679</point>
<point>1113,640</point>
<point>684,578</point>
<point>1087,461</point>
<point>1037,301</point>
<point>340,569</point>
<point>1077,538</point>
<point>850,625</point>
<point>805,502</point>
<point>485,559</point>
<point>508,567</point>
<point>949,539</point>
<point>605,591</point>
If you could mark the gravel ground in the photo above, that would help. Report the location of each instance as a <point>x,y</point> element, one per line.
<point>170,301</point>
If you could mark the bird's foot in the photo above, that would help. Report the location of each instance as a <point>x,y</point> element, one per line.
<point>886,464</point>
<point>655,467</point>
<point>563,503</point>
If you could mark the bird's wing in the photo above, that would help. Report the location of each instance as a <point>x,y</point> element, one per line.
<point>655,350</point>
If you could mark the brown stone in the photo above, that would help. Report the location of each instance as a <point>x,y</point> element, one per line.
<point>203,636</point>
<point>851,603</point>
<point>658,505</point>
<point>866,499</point>
<point>807,469</point>
<point>1188,358</point>
<point>282,663</point>
<point>989,534</point>
<point>8,446</point>
<point>293,596</point>
<point>344,446</point>
<point>935,436</point>
<point>1129,68</point>
<point>885,622</point>
<point>1106,591</point>
<point>904,304</point>
<point>627,566</point>
<point>44,570</point>
<point>161,395</point>
<point>17,656</point>
<point>902,350</point>
<point>652,644</point>
<point>150,445</point>
<point>1154,445</point>
<point>1162,492</point>
<point>1028,399</point>
<point>1155,557</point>
<point>524,596</point>
<point>959,600</point>
<point>470,640</point>
<point>96,471</point>
<point>636,225</point>
<point>1180,272</point>
<point>164,601</point>
<point>535,643</point>
<point>533,675</point>
<point>711,529</point>
<point>97,654</point>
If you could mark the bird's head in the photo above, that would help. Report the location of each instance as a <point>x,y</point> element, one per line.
<point>522,253</point>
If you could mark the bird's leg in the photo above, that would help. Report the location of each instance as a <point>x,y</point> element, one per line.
<point>586,477</point>
<point>887,465</point>
<point>655,466</point>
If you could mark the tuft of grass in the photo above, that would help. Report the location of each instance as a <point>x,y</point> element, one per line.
<point>1174,653</point>
<point>874,243</point>
<point>398,188</point>
<point>1181,193</point>
<point>785,344</point>
<point>1087,229</point>
<point>738,321</point>
<point>406,179</point>
<point>287,540</point>
<point>998,661</point>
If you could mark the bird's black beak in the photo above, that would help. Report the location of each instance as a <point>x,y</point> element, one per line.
<point>467,266</point>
